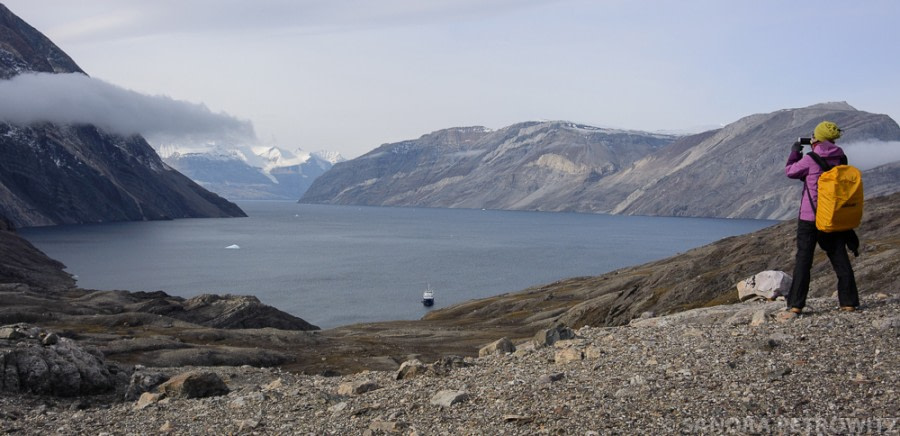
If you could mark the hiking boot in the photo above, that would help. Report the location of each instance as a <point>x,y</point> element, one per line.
<point>848,308</point>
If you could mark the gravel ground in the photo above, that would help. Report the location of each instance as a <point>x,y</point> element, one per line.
<point>707,371</point>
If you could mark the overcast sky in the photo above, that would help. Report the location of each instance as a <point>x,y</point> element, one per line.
<point>349,75</point>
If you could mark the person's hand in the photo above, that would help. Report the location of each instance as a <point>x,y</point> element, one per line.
<point>798,147</point>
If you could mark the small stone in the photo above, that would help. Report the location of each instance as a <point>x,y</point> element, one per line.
<point>50,339</point>
<point>357,388</point>
<point>759,318</point>
<point>387,426</point>
<point>769,344</point>
<point>146,399</point>
<point>275,385</point>
<point>547,337</point>
<point>778,374</point>
<point>448,398</point>
<point>625,393</point>
<point>338,407</point>
<point>593,352</point>
<point>550,378</point>
<point>567,355</point>
<point>887,323</point>
<point>247,424</point>
<point>10,333</point>
<point>410,368</point>
<point>521,419</point>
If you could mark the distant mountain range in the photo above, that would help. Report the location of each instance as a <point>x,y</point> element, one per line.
<point>60,174</point>
<point>736,171</point>
<point>252,173</point>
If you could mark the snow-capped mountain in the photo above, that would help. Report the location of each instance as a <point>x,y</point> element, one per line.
<point>251,172</point>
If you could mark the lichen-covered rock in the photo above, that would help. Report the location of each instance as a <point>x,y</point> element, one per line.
<point>60,367</point>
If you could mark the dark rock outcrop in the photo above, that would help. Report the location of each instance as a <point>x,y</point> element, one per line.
<point>60,174</point>
<point>31,363</point>
<point>238,311</point>
<point>22,266</point>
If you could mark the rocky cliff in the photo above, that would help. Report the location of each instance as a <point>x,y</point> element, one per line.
<point>734,172</point>
<point>58,174</point>
<point>536,165</point>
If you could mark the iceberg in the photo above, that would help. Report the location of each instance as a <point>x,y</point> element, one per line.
<point>233,247</point>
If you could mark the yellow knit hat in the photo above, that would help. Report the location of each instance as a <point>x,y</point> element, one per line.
<point>827,131</point>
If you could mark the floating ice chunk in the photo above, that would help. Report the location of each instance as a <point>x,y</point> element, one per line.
<point>233,247</point>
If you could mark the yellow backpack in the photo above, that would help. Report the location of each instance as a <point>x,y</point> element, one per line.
<point>840,204</point>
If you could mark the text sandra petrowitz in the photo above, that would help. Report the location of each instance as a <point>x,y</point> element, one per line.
<point>817,425</point>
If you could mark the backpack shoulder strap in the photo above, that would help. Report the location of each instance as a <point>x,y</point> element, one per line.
<point>819,161</point>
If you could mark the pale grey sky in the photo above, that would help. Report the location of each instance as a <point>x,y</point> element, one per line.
<point>349,75</point>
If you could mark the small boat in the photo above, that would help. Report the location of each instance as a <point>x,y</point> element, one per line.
<point>428,297</point>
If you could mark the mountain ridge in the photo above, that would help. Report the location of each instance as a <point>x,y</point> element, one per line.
<point>732,172</point>
<point>479,168</point>
<point>65,174</point>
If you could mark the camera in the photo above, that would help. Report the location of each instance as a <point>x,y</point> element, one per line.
<point>804,141</point>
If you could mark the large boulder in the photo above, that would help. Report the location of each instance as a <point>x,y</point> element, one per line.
<point>767,284</point>
<point>39,362</point>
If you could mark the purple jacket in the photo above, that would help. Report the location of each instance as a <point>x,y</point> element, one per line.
<point>803,167</point>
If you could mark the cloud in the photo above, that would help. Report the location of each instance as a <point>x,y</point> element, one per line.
<point>870,154</point>
<point>79,99</point>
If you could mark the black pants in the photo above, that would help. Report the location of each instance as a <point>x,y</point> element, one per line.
<point>835,245</point>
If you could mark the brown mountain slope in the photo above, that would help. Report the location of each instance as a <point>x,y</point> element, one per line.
<point>700,277</point>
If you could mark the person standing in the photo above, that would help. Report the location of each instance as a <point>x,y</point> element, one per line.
<point>805,168</point>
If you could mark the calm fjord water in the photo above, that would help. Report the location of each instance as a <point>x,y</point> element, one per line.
<point>336,265</point>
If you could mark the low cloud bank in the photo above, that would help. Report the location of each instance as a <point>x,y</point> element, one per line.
<point>79,99</point>
<point>866,155</point>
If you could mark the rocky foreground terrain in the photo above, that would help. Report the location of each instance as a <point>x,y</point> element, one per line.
<point>663,347</point>
<point>732,368</point>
